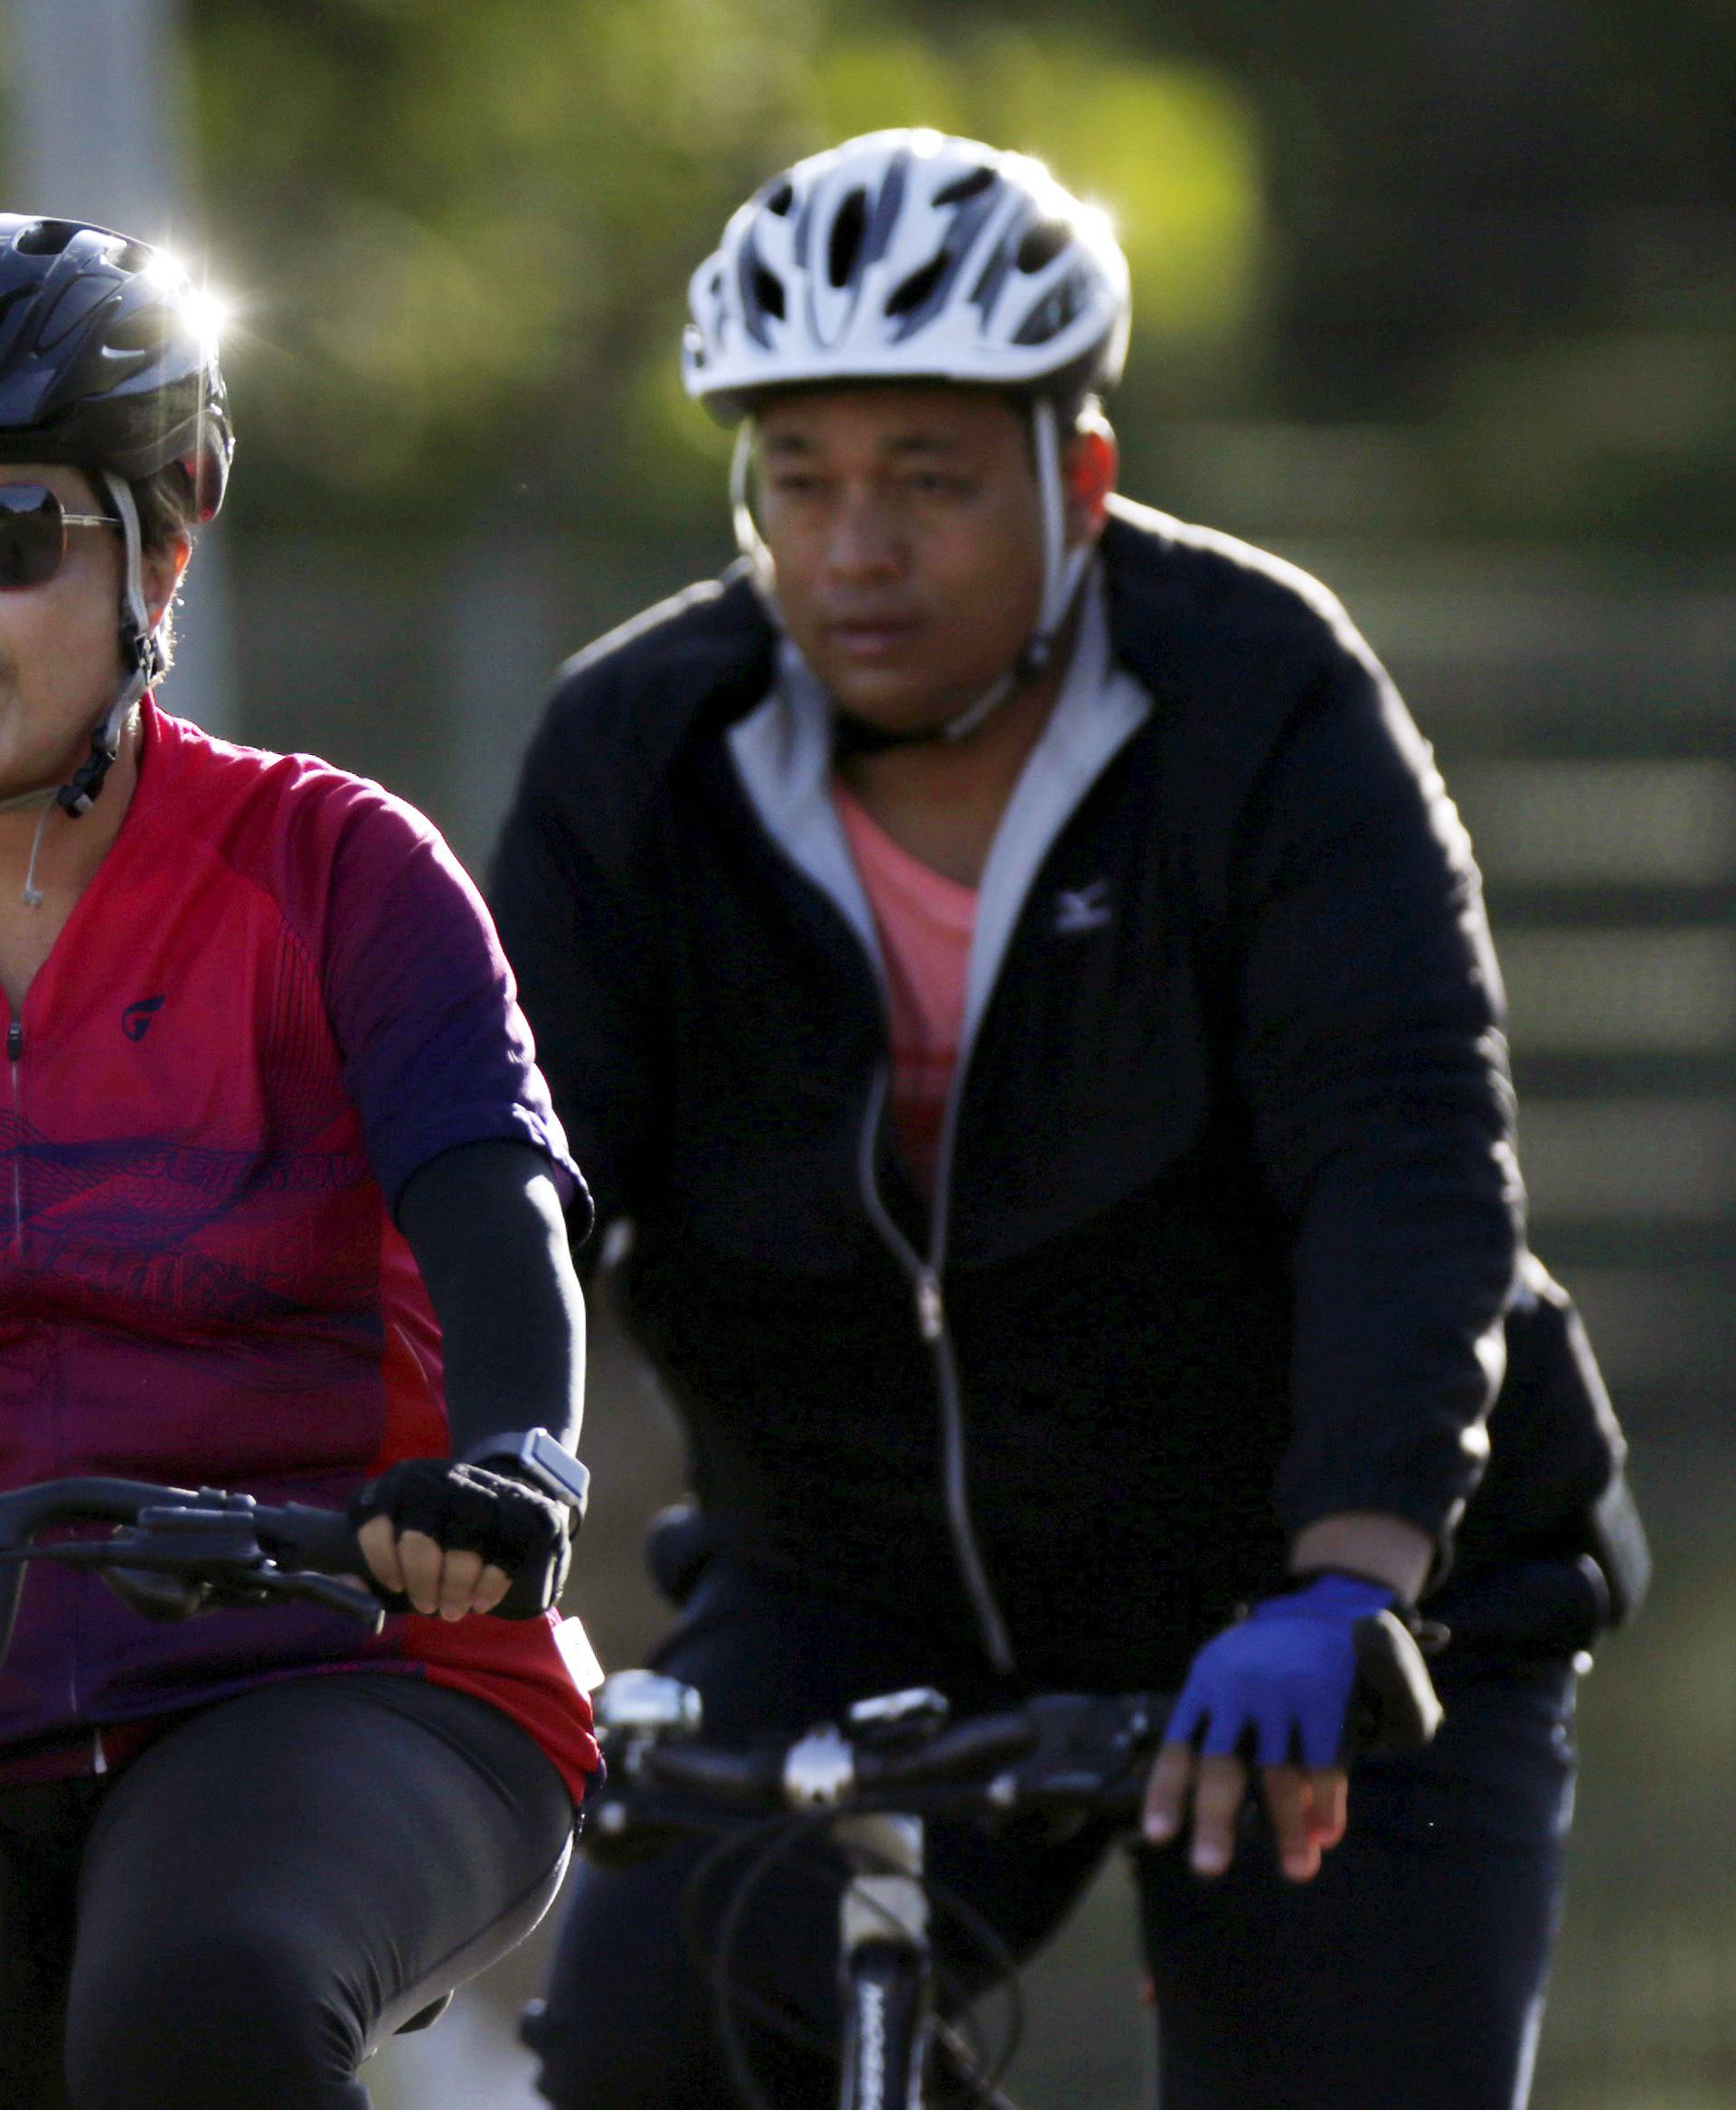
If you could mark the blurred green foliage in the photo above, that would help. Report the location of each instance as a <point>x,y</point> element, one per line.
<point>461,236</point>
<point>1476,254</point>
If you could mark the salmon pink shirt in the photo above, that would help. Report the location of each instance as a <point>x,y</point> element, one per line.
<point>925,921</point>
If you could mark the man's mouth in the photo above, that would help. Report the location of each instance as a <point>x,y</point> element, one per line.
<point>871,638</point>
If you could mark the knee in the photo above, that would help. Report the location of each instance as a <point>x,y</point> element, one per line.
<point>588,2054</point>
<point>625,2021</point>
<point>237,2016</point>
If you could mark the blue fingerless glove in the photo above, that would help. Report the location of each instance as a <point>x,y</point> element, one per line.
<point>1279,1685</point>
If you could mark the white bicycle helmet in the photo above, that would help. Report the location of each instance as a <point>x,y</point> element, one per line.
<point>901,256</point>
<point>907,256</point>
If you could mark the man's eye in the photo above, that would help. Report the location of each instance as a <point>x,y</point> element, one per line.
<point>789,484</point>
<point>937,483</point>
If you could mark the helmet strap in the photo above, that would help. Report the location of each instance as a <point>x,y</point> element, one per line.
<point>141,660</point>
<point>749,540</point>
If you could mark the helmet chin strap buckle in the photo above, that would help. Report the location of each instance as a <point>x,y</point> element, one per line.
<point>141,660</point>
<point>77,796</point>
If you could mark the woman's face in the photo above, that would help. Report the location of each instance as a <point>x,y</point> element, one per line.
<point>60,643</point>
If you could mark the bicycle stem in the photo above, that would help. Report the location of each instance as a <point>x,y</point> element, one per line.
<point>886,1962</point>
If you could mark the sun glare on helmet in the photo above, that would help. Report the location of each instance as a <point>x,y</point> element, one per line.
<point>1095,227</point>
<point>208,313</point>
<point>205,312</point>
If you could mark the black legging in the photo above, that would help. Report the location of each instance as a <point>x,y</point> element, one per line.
<point>236,1920</point>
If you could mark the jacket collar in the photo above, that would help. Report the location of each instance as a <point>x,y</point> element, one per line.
<point>782,753</point>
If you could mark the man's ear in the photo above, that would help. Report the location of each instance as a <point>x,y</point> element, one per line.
<point>1089,460</point>
<point>160,572</point>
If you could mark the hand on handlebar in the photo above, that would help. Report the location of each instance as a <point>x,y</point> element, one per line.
<point>1278,1689</point>
<point>450,1537</point>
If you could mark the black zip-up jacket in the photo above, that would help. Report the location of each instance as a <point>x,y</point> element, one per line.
<point>1227,1231</point>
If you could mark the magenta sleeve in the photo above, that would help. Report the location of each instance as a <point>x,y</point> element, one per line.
<point>436,1051</point>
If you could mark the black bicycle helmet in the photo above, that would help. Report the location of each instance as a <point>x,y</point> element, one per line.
<point>108,359</point>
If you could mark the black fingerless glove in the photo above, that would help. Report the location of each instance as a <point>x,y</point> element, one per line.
<point>471,1509</point>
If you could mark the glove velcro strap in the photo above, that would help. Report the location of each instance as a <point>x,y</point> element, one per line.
<point>1393,1706</point>
<point>467,1508</point>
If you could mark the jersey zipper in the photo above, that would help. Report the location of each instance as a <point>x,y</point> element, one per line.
<point>14,1066</point>
<point>15,1056</point>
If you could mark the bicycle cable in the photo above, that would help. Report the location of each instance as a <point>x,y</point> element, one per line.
<point>972,2068</point>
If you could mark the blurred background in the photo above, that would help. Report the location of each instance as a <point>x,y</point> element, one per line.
<point>1436,299</point>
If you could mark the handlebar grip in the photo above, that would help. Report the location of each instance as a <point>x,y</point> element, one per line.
<point>324,1539</point>
<point>963,1752</point>
<point>749,1778</point>
<point>532,1592</point>
<point>320,1539</point>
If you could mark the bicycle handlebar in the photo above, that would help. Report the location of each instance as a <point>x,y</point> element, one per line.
<point>223,1550</point>
<point>1062,1753</point>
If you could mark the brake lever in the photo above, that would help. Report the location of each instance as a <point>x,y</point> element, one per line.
<point>271,1583</point>
<point>149,1571</point>
<point>167,1598</point>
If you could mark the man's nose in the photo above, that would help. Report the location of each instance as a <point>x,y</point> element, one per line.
<point>862,539</point>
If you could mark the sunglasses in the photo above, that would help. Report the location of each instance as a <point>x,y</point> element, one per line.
<point>32,533</point>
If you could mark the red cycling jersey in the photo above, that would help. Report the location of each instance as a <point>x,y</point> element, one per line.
<point>278,998</point>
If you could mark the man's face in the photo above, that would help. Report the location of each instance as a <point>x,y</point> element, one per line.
<point>906,532</point>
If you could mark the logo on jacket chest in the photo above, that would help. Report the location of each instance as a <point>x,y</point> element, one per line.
<point>1079,910</point>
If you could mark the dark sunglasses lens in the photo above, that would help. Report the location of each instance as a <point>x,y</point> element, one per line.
<point>33,535</point>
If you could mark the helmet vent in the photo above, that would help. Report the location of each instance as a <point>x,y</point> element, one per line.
<point>965,186</point>
<point>47,238</point>
<point>1053,312</point>
<point>108,362</point>
<point>1042,244</point>
<point>148,331</point>
<point>768,291</point>
<point>847,231</point>
<point>917,287</point>
<point>907,254</point>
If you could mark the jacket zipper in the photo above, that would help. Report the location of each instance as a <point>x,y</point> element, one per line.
<point>936,1334</point>
<point>1086,760</point>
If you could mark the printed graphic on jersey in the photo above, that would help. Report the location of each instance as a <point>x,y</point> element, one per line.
<point>202,1282</point>
<point>135,1021</point>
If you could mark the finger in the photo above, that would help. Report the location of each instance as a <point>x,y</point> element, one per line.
<point>460,1575</point>
<point>1331,1786</point>
<point>1289,1794</point>
<point>490,1589</point>
<point>1166,1793</point>
<point>379,1544</point>
<point>1219,1792</point>
<point>420,1558</point>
